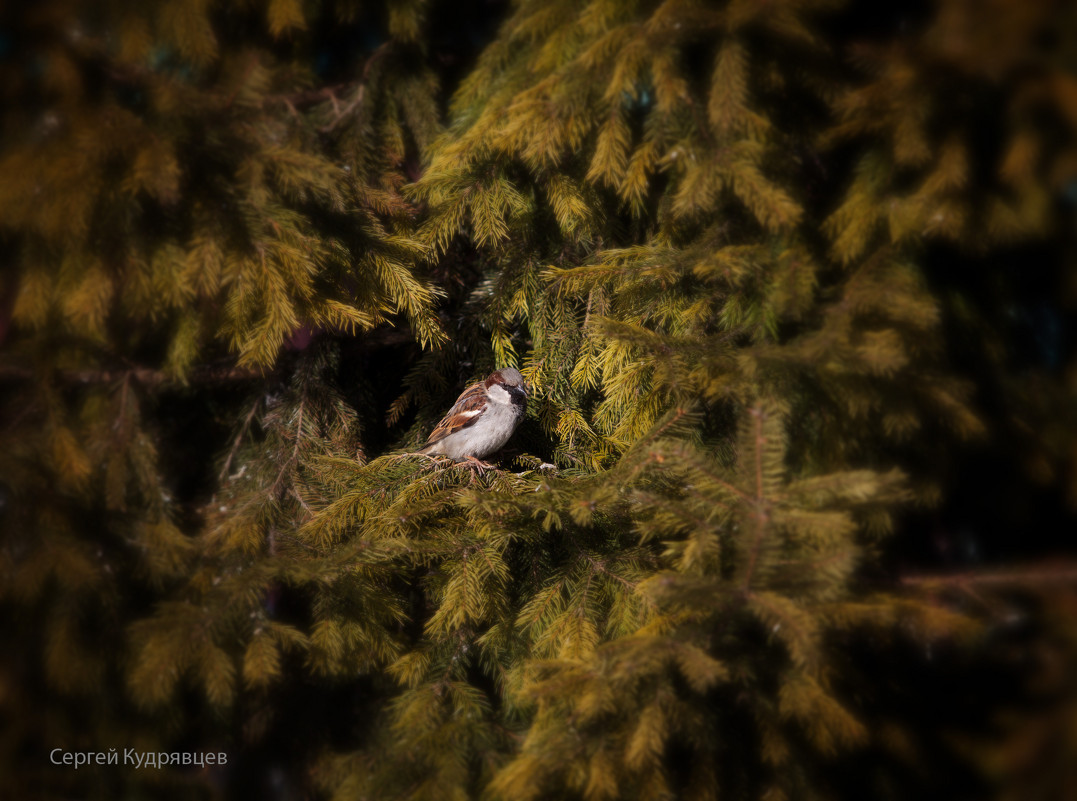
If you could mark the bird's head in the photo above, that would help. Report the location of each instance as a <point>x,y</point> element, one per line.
<point>510,380</point>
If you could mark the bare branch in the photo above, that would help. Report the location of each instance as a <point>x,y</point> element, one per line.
<point>1035,575</point>
<point>360,92</point>
<point>239,439</point>
<point>146,376</point>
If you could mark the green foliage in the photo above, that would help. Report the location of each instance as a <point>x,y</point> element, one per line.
<point>715,246</point>
<point>240,231</point>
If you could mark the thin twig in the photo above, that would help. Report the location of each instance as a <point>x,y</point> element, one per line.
<point>360,93</point>
<point>309,96</point>
<point>294,459</point>
<point>239,440</point>
<point>344,112</point>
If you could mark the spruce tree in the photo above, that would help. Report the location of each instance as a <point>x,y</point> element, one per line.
<point>765,268</point>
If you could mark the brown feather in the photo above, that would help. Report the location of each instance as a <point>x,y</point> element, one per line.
<point>464,412</point>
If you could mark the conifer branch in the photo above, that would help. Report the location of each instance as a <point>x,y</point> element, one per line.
<point>600,567</point>
<point>540,613</point>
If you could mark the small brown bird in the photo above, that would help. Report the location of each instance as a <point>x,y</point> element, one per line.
<point>482,419</point>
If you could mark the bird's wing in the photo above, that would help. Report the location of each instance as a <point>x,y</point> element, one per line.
<point>466,410</point>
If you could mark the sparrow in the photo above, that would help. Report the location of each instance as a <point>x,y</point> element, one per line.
<point>482,419</point>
